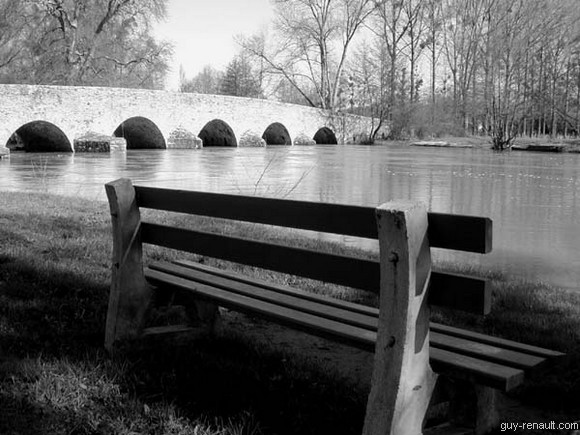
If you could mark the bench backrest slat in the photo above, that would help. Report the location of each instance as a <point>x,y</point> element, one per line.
<point>464,233</point>
<point>352,272</point>
<point>454,291</point>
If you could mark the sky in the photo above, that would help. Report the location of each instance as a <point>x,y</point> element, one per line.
<point>203,31</point>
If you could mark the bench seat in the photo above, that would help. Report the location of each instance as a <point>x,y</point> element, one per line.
<point>486,360</point>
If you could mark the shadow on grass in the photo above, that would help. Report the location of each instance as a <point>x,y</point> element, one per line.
<point>53,326</point>
<point>48,312</point>
<point>226,377</point>
<point>23,417</point>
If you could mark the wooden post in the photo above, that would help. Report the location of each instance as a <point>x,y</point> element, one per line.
<point>130,294</point>
<point>402,380</point>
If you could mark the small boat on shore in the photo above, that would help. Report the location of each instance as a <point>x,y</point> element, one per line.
<point>539,147</point>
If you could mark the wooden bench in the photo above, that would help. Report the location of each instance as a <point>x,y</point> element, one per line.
<point>412,354</point>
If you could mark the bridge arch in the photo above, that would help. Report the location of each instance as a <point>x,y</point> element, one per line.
<point>326,136</point>
<point>140,133</point>
<point>217,133</point>
<point>39,136</point>
<point>277,134</point>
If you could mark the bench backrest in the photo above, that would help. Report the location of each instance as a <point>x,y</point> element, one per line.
<point>456,232</point>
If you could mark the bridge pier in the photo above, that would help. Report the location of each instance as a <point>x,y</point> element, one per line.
<point>99,143</point>
<point>181,138</point>
<point>250,138</point>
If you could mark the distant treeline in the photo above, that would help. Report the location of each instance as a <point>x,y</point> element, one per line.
<point>501,67</point>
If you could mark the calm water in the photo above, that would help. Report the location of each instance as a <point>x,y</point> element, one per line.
<point>533,198</point>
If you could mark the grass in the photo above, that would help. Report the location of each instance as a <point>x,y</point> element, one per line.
<point>56,378</point>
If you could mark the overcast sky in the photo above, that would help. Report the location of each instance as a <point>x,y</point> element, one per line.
<point>203,31</point>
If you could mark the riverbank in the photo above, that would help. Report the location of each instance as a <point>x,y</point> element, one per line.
<point>520,144</point>
<point>56,378</point>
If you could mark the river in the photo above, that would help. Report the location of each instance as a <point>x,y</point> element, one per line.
<point>532,198</point>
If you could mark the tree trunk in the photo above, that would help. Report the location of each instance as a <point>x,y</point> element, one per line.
<point>566,99</point>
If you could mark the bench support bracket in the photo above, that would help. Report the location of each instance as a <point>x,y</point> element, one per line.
<point>402,380</point>
<point>130,294</point>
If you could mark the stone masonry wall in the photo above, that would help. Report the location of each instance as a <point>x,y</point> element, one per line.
<point>79,110</point>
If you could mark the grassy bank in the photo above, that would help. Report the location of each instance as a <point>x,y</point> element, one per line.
<point>56,378</point>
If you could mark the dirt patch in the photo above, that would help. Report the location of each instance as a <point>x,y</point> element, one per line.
<point>346,363</point>
<point>353,365</point>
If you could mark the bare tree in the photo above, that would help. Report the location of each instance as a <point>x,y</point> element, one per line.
<point>368,85</point>
<point>311,45</point>
<point>98,42</point>
<point>14,31</point>
<point>434,26</point>
<point>391,27</point>
<point>415,15</point>
<point>465,22</point>
<point>515,28</point>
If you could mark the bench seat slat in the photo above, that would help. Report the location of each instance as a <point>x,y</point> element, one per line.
<point>337,269</point>
<point>256,282</point>
<point>359,337</point>
<point>501,342</point>
<point>372,311</point>
<point>486,352</point>
<point>484,372</point>
<point>326,307</point>
<point>464,233</point>
<point>291,300</point>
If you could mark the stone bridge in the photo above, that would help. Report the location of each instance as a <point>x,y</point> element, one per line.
<point>52,118</point>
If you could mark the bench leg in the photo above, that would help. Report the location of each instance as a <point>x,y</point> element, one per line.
<point>195,313</point>
<point>473,406</point>
<point>182,308</point>
<point>205,314</point>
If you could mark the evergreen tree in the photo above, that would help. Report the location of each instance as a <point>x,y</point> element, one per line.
<point>240,80</point>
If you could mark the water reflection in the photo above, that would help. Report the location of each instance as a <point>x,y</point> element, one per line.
<point>532,197</point>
